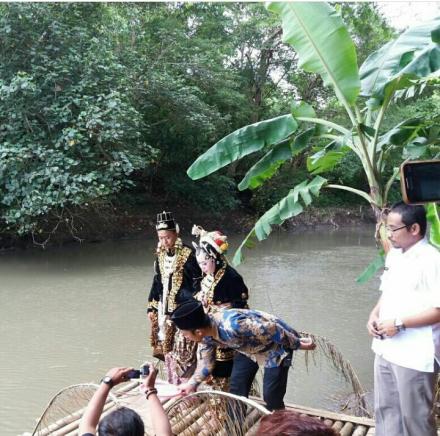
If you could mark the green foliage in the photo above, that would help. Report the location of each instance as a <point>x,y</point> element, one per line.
<point>242,142</point>
<point>434,220</point>
<point>273,190</point>
<point>368,28</point>
<point>218,193</point>
<point>109,101</point>
<point>288,207</point>
<point>370,271</point>
<point>414,54</point>
<point>323,44</point>
<point>269,164</point>
<point>324,47</point>
<point>69,135</point>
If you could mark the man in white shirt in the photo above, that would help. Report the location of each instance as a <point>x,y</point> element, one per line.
<point>405,324</point>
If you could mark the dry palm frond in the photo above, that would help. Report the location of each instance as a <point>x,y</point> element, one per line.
<point>66,408</point>
<point>256,387</point>
<point>213,412</point>
<point>343,366</point>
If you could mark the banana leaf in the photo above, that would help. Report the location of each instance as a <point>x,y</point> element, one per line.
<point>401,133</point>
<point>329,156</point>
<point>286,208</point>
<point>268,165</point>
<point>302,109</point>
<point>414,150</point>
<point>434,221</point>
<point>322,161</point>
<point>319,36</point>
<point>414,54</point>
<point>242,142</point>
<point>371,270</point>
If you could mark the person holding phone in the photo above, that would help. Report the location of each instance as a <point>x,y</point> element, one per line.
<point>405,325</point>
<point>124,421</point>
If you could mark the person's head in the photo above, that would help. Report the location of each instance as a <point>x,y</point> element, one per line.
<point>192,320</point>
<point>167,238</point>
<point>206,261</point>
<point>288,423</point>
<point>406,225</point>
<point>122,422</point>
<point>210,250</point>
<point>167,230</point>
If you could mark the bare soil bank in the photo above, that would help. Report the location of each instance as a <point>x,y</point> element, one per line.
<point>139,223</point>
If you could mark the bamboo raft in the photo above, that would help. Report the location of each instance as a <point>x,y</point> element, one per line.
<point>203,414</point>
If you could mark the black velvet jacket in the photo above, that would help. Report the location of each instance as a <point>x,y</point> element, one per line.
<point>190,285</point>
<point>231,289</point>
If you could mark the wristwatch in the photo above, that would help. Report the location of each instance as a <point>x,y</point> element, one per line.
<point>400,326</point>
<point>107,380</point>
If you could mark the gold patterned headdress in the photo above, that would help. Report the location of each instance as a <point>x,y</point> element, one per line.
<point>165,221</point>
<point>212,243</point>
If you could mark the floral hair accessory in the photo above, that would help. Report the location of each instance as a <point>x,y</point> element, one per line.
<point>213,243</point>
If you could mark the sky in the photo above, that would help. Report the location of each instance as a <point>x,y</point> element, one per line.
<point>401,14</point>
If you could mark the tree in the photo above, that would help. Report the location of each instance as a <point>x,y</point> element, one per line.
<point>69,135</point>
<point>324,47</point>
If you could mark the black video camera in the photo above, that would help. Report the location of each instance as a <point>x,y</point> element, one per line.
<point>420,181</point>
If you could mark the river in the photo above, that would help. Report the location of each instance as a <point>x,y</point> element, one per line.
<point>68,314</point>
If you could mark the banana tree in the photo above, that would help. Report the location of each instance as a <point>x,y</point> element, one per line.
<point>398,69</point>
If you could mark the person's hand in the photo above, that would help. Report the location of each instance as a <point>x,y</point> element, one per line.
<point>387,328</point>
<point>118,375</point>
<point>372,327</point>
<point>150,380</point>
<point>186,389</point>
<point>150,315</point>
<point>306,344</point>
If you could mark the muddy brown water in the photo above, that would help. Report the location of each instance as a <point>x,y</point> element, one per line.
<point>68,314</point>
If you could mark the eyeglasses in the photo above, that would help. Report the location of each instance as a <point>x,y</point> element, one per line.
<point>390,230</point>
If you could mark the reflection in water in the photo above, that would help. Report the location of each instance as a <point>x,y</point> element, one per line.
<point>69,314</point>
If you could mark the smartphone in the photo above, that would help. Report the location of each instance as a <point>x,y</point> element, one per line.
<point>420,181</point>
<point>134,373</point>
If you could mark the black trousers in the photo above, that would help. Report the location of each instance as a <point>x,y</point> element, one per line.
<point>274,380</point>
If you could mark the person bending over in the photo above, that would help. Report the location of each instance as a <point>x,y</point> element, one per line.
<point>222,287</point>
<point>259,335</point>
<point>123,421</point>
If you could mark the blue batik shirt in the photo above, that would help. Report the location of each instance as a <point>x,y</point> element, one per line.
<point>259,335</point>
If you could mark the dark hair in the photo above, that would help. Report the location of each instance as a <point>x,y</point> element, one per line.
<point>209,251</point>
<point>288,423</point>
<point>411,215</point>
<point>206,323</point>
<point>122,422</point>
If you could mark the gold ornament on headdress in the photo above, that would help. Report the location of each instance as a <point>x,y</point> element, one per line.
<point>216,239</point>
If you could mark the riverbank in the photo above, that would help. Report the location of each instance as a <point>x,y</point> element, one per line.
<point>138,223</point>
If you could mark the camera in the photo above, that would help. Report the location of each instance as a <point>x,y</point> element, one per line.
<point>138,373</point>
<point>420,181</point>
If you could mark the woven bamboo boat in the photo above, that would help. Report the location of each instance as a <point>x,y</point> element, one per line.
<point>203,413</point>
